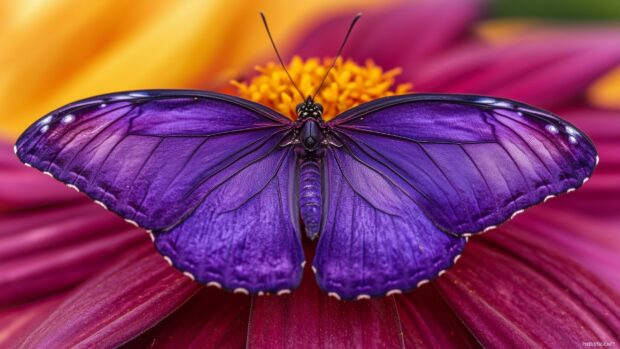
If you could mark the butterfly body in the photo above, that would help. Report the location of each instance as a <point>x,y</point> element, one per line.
<point>392,188</point>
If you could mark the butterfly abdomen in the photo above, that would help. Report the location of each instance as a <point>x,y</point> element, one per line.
<point>310,199</point>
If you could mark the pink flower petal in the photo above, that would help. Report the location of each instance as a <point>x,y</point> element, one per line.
<point>210,319</point>
<point>403,35</point>
<point>308,318</point>
<point>18,321</point>
<point>54,269</point>
<point>594,243</point>
<point>428,321</point>
<point>30,231</point>
<point>512,293</point>
<point>117,305</point>
<point>533,71</point>
<point>22,187</point>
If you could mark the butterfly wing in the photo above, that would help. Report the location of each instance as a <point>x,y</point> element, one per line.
<point>375,240</point>
<point>196,168</point>
<point>444,165</point>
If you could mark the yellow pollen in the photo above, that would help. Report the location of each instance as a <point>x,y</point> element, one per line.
<point>348,84</point>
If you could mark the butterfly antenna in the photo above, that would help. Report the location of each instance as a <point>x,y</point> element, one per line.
<point>344,42</point>
<point>262,15</point>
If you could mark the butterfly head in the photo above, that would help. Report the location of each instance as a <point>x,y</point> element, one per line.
<point>309,109</point>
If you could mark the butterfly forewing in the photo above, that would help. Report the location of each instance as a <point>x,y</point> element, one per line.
<point>191,165</point>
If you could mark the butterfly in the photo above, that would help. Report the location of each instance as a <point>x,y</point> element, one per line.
<point>391,188</point>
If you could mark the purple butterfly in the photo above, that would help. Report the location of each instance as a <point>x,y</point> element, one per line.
<point>392,188</point>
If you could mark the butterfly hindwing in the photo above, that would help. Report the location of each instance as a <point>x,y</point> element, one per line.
<point>245,243</point>
<point>183,164</point>
<point>375,240</point>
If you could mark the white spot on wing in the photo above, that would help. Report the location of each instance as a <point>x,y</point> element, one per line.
<point>131,222</point>
<point>503,104</point>
<point>303,264</point>
<point>597,160</point>
<point>283,292</point>
<point>570,190</point>
<point>456,259</point>
<point>393,292</point>
<point>27,164</point>
<point>585,180</point>
<point>571,131</point>
<point>48,174</point>
<point>46,120</point>
<point>101,204</point>
<point>362,296</point>
<point>572,139</point>
<point>168,260</point>
<point>516,213</point>
<point>313,269</point>
<point>489,228</point>
<point>485,100</point>
<point>441,273</point>
<point>15,149</point>
<point>551,128</point>
<point>425,281</point>
<point>241,290</point>
<point>67,119</point>
<point>151,235</point>
<point>189,275</point>
<point>334,294</point>
<point>73,187</point>
<point>548,197</point>
<point>214,284</point>
<point>44,129</point>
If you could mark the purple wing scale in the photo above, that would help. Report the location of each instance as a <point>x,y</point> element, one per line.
<point>164,159</point>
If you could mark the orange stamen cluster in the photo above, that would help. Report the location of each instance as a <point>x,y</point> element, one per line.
<point>348,84</point>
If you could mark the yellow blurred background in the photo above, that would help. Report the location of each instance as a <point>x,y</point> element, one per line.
<point>55,52</point>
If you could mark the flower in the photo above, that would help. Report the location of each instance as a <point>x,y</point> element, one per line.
<point>349,85</point>
<point>548,278</point>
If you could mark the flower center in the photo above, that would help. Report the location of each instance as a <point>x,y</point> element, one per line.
<point>348,84</point>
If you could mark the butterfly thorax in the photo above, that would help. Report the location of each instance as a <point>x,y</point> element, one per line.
<point>310,125</point>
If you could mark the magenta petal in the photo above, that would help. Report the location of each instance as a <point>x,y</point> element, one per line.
<point>428,321</point>
<point>210,319</point>
<point>18,321</point>
<point>32,231</point>
<point>47,250</point>
<point>55,269</point>
<point>308,318</point>
<point>513,294</point>
<point>404,35</point>
<point>22,187</point>
<point>125,300</point>
<point>543,73</point>
<point>594,243</point>
<point>311,321</point>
